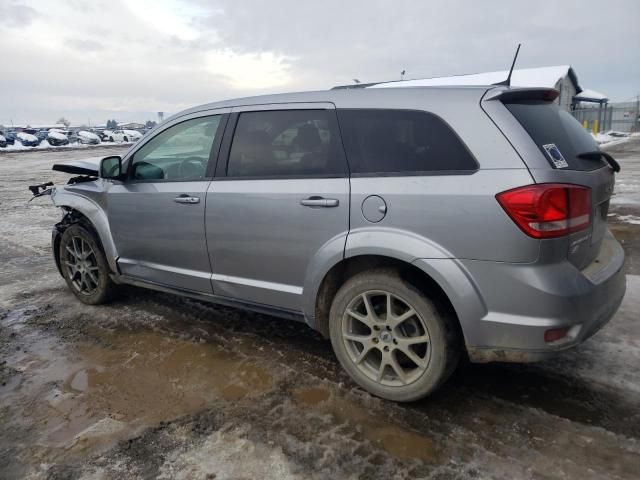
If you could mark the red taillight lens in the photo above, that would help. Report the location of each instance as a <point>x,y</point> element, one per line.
<point>548,210</point>
<point>555,334</point>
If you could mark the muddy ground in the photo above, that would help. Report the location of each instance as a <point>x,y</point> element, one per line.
<point>155,386</point>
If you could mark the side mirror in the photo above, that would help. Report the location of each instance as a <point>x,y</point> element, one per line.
<point>111,167</point>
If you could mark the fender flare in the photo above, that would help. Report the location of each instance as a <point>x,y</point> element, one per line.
<point>96,215</point>
<point>431,258</point>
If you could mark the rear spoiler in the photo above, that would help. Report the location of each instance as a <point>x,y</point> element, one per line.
<point>522,93</point>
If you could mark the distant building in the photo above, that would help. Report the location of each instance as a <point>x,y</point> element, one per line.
<point>131,126</point>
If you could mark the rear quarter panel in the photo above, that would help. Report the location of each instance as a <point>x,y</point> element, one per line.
<point>455,215</point>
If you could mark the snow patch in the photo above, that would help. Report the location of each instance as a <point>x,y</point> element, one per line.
<point>628,219</point>
<point>525,77</point>
<point>227,455</point>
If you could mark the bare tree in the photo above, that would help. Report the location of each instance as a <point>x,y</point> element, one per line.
<point>63,121</point>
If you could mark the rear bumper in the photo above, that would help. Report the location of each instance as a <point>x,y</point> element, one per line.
<point>523,301</point>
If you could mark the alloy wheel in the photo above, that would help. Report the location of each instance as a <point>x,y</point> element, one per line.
<point>82,266</point>
<point>386,338</point>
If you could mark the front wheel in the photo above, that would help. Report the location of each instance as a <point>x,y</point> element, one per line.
<point>126,139</point>
<point>84,266</point>
<point>390,338</point>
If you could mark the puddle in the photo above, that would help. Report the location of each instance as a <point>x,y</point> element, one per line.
<point>112,389</point>
<point>311,396</point>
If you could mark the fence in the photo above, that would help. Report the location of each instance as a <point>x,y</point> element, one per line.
<point>621,118</point>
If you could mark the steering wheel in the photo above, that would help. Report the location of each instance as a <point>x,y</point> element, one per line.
<point>191,167</point>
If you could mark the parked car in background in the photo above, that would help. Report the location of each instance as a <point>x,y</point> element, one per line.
<point>52,137</point>
<point>27,139</point>
<point>56,138</point>
<point>84,137</point>
<point>410,226</point>
<point>132,135</point>
<point>121,135</point>
<point>103,135</point>
<point>9,136</point>
<point>42,134</point>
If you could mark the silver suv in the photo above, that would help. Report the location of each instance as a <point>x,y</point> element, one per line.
<point>408,225</point>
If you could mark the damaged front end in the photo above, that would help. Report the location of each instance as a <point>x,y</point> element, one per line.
<point>86,171</point>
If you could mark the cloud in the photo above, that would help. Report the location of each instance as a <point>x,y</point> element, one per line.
<point>137,56</point>
<point>15,14</point>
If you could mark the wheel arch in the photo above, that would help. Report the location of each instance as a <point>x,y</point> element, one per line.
<point>431,276</point>
<point>79,209</point>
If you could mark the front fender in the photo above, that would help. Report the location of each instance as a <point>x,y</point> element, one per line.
<point>88,207</point>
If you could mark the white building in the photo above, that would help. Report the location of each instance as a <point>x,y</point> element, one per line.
<point>561,77</point>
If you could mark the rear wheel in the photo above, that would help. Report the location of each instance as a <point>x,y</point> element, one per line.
<point>84,266</point>
<point>390,337</point>
<point>126,139</point>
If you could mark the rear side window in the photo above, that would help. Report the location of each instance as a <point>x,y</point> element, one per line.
<point>402,142</point>
<point>549,127</point>
<point>286,143</point>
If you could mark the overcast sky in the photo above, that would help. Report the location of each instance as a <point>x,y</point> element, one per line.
<point>90,60</point>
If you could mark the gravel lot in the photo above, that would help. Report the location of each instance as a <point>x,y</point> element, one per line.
<point>158,386</point>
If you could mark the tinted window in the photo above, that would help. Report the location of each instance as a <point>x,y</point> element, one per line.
<point>401,141</point>
<point>548,124</point>
<point>286,143</point>
<point>178,153</point>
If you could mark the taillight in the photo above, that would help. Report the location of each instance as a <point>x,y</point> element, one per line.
<point>548,210</point>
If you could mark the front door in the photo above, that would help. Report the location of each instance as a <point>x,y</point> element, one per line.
<point>157,215</point>
<point>283,196</point>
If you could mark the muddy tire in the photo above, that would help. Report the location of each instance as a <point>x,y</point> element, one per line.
<point>390,338</point>
<point>84,266</point>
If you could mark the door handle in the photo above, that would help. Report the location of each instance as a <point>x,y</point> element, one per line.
<point>320,202</point>
<point>184,198</point>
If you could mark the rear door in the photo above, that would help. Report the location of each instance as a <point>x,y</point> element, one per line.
<point>281,196</point>
<point>157,215</point>
<point>559,155</point>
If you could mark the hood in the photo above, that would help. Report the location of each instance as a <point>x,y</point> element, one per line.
<point>85,134</point>
<point>85,166</point>
<point>57,135</point>
<point>132,133</point>
<point>27,137</point>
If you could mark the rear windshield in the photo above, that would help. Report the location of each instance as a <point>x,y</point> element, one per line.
<point>558,135</point>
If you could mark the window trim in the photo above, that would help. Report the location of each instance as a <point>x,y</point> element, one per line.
<point>229,135</point>
<point>211,161</point>
<point>414,173</point>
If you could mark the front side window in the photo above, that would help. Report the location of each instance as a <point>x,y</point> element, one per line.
<point>286,143</point>
<point>178,153</point>
<point>402,142</point>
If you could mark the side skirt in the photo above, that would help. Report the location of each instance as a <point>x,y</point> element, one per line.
<point>216,299</point>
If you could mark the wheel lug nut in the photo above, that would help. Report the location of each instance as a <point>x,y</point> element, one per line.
<point>395,341</point>
<point>375,340</point>
<point>386,349</point>
<point>375,327</point>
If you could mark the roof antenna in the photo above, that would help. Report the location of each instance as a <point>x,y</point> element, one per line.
<point>507,82</point>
